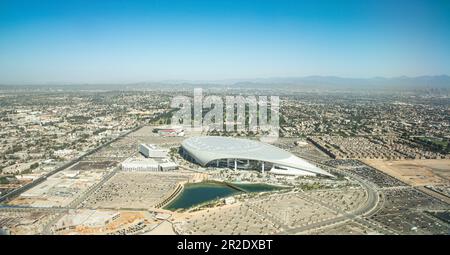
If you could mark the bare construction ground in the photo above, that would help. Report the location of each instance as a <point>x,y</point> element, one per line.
<point>24,221</point>
<point>135,190</point>
<point>416,172</point>
<point>164,228</point>
<point>94,222</point>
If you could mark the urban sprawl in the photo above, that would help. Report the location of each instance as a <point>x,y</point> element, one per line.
<point>79,161</point>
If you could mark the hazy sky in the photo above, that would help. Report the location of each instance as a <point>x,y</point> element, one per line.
<point>130,41</point>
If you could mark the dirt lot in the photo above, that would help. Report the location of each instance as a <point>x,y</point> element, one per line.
<point>416,172</point>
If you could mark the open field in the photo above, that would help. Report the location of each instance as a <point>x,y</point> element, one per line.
<point>416,172</point>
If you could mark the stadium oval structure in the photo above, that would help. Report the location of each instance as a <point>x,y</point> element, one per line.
<point>218,150</point>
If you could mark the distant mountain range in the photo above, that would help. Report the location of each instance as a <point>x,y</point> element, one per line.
<point>441,81</point>
<point>307,82</point>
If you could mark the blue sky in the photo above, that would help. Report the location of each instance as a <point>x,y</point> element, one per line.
<point>131,41</point>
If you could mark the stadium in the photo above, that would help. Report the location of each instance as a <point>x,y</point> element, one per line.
<point>234,153</point>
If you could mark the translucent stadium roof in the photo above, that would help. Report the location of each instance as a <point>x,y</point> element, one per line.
<point>205,149</point>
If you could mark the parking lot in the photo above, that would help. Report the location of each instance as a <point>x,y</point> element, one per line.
<point>404,212</point>
<point>135,190</point>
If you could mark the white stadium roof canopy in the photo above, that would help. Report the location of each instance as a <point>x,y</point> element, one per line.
<point>205,149</point>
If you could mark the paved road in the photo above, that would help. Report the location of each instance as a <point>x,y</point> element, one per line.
<point>74,204</point>
<point>30,185</point>
<point>77,202</point>
<point>371,204</point>
<point>7,208</point>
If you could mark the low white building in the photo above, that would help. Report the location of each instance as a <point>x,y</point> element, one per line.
<point>167,166</point>
<point>147,164</point>
<point>151,151</point>
<point>135,164</point>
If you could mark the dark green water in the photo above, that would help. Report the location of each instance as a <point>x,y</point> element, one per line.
<point>198,193</point>
<point>256,187</point>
